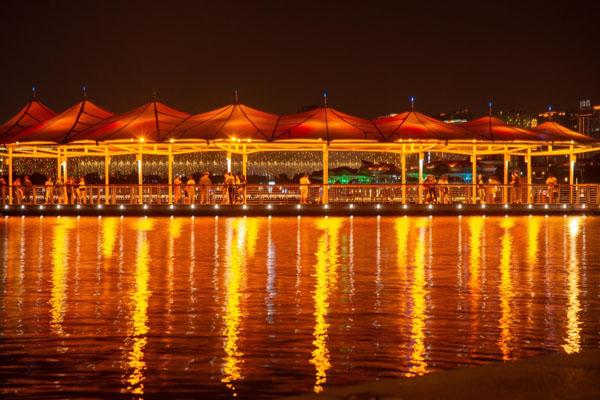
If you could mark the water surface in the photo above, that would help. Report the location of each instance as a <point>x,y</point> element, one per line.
<point>222,307</point>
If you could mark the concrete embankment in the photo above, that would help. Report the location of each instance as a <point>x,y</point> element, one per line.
<point>556,376</point>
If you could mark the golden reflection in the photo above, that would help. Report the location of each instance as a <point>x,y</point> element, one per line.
<point>418,294</point>
<point>402,226</point>
<point>138,326</point>
<point>234,278</point>
<point>325,272</point>
<point>109,236</point>
<point>573,335</point>
<point>58,293</point>
<point>476,227</point>
<point>174,233</point>
<point>476,230</point>
<point>533,232</point>
<point>271,276</point>
<point>506,289</point>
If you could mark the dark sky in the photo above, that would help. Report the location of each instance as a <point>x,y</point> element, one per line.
<point>280,55</point>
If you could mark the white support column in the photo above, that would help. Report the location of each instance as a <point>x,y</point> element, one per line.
<point>505,178</point>
<point>139,160</point>
<point>58,164</point>
<point>244,162</point>
<point>245,170</point>
<point>64,165</point>
<point>10,175</point>
<point>529,176</point>
<point>403,166</point>
<point>229,160</point>
<point>572,159</point>
<point>474,175</point>
<point>420,190</point>
<point>170,174</point>
<point>325,198</point>
<point>106,176</point>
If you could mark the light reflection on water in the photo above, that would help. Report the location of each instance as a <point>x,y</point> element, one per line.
<point>226,307</point>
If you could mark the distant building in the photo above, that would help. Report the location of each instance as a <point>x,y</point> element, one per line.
<point>517,117</point>
<point>565,118</point>
<point>455,117</point>
<point>588,118</point>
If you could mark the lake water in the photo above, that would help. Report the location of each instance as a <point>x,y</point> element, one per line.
<point>264,307</point>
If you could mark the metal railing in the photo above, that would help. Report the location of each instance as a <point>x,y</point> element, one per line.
<point>293,194</point>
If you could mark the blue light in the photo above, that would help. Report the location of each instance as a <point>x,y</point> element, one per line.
<point>490,104</point>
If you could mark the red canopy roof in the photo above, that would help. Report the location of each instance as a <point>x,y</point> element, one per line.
<point>235,121</point>
<point>492,128</point>
<point>150,122</point>
<point>557,132</point>
<point>325,123</point>
<point>416,126</point>
<point>61,127</point>
<point>33,113</point>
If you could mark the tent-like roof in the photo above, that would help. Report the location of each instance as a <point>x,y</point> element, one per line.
<point>234,121</point>
<point>63,126</point>
<point>150,122</point>
<point>492,128</point>
<point>327,124</point>
<point>412,125</point>
<point>555,131</point>
<point>33,113</point>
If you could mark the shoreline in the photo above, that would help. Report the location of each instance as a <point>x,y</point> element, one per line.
<point>259,210</point>
<point>553,376</point>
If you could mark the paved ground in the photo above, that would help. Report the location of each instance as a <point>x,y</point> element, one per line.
<point>548,377</point>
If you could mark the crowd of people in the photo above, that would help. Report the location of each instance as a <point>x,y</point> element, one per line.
<point>71,191</point>
<point>491,190</point>
<point>232,190</point>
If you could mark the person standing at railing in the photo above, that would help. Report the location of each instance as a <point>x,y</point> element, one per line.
<point>224,192</point>
<point>177,190</point>
<point>4,188</point>
<point>552,183</point>
<point>230,185</point>
<point>430,190</point>
<point>82,189</point>
<point>493,183</point>
<point>481,189</point>
<point>19,194</point>
<point>71,191</point>
<point>515,183</point>
<point>27,189</point>
<point>49,188</point>
<point>205,184</point>
<point>61,193</point>
<point>443,185</point>
<point>304,187</point>
<point>240,182</point>
<point>190,190</point>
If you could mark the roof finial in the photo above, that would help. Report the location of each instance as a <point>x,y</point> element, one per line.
<point>412,103</point>
<point>490,104</point>
<point>325,98</point>
<point>154,95</point>
<point>235,96</point>
<point>83,92</point>
<point>33,92</point>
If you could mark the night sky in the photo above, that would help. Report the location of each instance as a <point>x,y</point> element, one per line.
<point>370,56</point>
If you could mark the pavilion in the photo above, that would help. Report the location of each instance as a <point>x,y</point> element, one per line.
<point>87,130</point>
